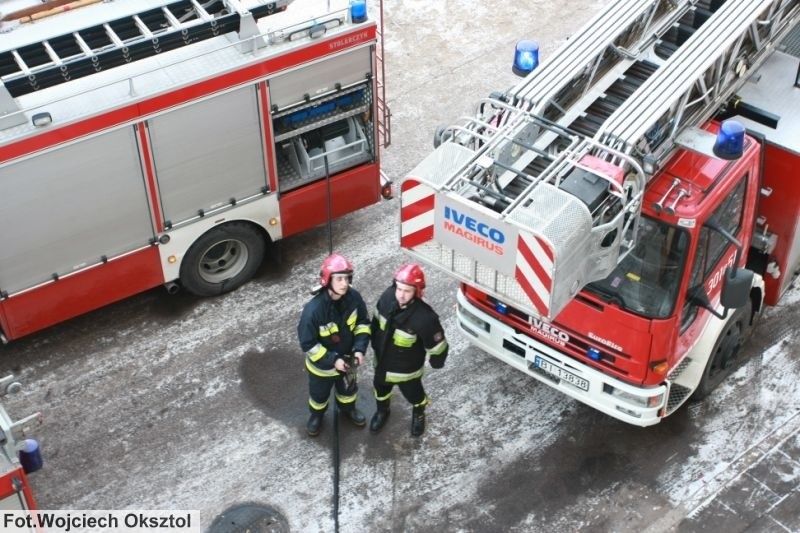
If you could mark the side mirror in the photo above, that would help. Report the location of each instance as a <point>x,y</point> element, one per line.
<point>736,287</point>
<point>734,295</point>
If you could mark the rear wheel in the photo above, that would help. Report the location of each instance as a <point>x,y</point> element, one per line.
<point>222,259</point>
<point>726,356</point>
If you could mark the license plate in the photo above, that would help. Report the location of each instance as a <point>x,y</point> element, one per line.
<point>560,373</point>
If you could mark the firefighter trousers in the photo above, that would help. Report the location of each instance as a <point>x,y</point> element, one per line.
<point>319,391</point>
<point>412,391</point>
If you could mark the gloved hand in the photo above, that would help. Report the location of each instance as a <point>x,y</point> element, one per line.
<point>436,362</point>
<point>340,365</point>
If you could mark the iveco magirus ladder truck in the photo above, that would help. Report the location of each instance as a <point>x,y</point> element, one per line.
<point>621,216</point>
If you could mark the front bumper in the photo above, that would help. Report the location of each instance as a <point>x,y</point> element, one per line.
<point>639,406</point>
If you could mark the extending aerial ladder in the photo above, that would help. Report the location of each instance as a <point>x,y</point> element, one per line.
<point>548,177</point>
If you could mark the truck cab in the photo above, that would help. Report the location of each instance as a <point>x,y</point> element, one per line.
<point>609,239</point>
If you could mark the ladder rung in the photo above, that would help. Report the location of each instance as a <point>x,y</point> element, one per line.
<point>20,63</point>
<point>82,44</point>
<point>142,27</point>
<point>174,22</point>
<point>112,36</point>
<point>201,12</point>
<point>52,53</point>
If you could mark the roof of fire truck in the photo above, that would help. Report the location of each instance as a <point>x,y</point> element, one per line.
<point>773,91</point>
<point>107,89</point>
<point>776,89</point>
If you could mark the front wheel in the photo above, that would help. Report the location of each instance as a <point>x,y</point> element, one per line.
<point>222,259</point>
<point>726,355</point>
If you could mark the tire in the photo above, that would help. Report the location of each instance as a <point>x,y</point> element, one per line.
<point>222,259</point>
<point>726,356</point>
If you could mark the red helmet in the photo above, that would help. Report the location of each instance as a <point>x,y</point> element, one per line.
<point>334,264</point>
<point>411,274</point>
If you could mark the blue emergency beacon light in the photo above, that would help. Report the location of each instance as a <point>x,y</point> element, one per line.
<point>730,140</point>
<point>358,10</point>
<point>526,57</point>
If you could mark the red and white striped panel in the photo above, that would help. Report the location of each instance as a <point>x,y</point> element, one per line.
<point>534,270</point>
<point>416,213</point>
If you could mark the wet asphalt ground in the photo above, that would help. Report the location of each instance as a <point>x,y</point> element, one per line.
<point>171,402</point>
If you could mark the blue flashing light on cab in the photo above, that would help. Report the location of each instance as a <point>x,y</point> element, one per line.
<point>730,140</point>
<point>358,10</point>
<point>526,57</point>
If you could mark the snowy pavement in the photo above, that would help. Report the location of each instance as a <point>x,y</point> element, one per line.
<point>170,402</point>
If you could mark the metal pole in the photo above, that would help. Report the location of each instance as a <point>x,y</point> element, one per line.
<point>336,460</point>
<point>330,209</point>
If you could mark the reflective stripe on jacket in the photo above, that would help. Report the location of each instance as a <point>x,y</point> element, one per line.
<point>330,329</point>
<point>402,338</point>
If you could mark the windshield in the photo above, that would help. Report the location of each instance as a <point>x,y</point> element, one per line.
<point>646,281</point>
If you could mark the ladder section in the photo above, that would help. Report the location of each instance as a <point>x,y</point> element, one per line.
<point>699,77</point>
<point>667,40</point>
<point>108,44</point>
<point>384,118</point>
<point>611,42</point>
<point>594,74</point>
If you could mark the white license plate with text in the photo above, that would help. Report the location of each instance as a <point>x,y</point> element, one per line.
<point>560,373</point>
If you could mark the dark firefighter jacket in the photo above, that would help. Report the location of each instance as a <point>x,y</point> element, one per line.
<point>401,338</point>
<point>330,329</point>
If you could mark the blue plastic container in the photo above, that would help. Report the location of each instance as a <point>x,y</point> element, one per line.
<point>30,456</point>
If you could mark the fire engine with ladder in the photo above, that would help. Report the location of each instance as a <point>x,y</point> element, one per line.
<point>170,141</point>
<point>620,217</point>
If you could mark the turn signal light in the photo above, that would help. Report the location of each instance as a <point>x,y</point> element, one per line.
<point>386,190</point>
<point>659,367</point>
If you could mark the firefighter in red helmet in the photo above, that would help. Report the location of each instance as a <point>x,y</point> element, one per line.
<point>334,333</point>
<point>405,331</point>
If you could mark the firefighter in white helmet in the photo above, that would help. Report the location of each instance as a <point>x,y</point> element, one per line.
<point>334,333</point>
<point>405,331</point>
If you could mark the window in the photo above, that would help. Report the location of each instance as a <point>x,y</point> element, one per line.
<point>711,246</point>
<point>646,281</point>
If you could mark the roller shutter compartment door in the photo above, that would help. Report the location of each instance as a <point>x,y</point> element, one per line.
<point>207,153</point>
<point>63,210</point>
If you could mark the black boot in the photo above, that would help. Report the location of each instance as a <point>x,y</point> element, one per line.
<point>314,423</point>
<point>378,420</point>
<point>356,417</point>
<point>418,421</point>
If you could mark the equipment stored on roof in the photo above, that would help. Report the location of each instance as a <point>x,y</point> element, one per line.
<point>170,141</point>
<point>613,239</point>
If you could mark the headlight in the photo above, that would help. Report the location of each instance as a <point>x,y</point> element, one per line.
<point>641,401</point>
<point>471,319</point>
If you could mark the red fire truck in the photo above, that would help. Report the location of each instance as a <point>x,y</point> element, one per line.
<point>170,141</point>
<point>616,237</point>
<point>15,493</point>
